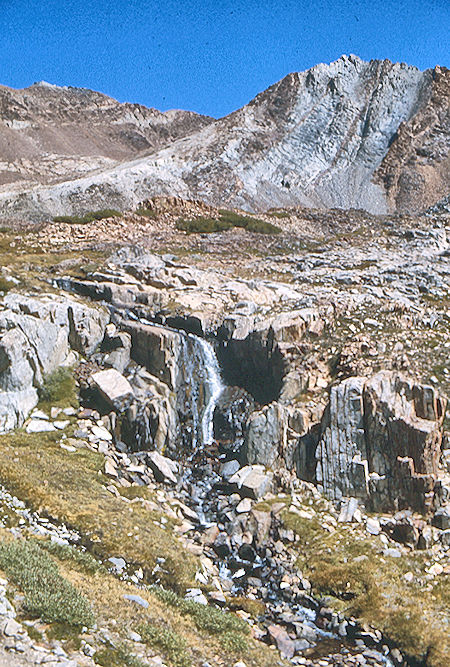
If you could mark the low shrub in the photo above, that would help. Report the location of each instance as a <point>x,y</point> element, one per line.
<point>226,220</point>
<point>116,657</point>
<point>203,225</point>
<point>59,387</point>
<point>82,560</point>
<point>173,645</point>
<point>210,619</point>
<point>47,594</point>
<point>146,212</point>
<point>88,217</point>
<point>5,284</point>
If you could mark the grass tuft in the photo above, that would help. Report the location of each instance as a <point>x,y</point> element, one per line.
<point>59,388</point>
<point>173,645</point>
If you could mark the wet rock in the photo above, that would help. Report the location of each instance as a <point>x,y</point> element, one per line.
<point>246,552</point>
<point>222,545</point>
<point>229,469</point>
<point>163,467</point>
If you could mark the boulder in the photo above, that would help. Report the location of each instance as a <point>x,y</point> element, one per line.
<point>441,519</point>
<point>163,467</point>
<point>252,481</point>
<point>113,387</point>
<point>266,435</point>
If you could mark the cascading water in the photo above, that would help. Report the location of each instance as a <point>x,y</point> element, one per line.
<point>203,387</point>
<point>213,388</point>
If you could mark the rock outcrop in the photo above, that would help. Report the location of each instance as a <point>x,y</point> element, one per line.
<point>380,441</point>
<point>36,336</point>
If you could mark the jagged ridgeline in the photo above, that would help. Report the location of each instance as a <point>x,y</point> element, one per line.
<point>351,134</point>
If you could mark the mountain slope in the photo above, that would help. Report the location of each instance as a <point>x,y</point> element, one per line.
<point>50,133</point>
<point>350,134</point>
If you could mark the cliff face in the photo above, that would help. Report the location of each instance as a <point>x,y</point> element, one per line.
<point>350,134</point>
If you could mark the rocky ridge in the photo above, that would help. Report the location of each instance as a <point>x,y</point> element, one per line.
<point>349,134</point>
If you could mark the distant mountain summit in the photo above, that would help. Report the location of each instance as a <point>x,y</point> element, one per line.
<point>351,134</point>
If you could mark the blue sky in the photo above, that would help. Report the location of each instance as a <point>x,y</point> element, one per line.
<point>210,56</point>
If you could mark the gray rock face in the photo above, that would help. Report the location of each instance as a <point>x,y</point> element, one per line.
<point>35,338</point>
<point>381,441</point>
<point>370,135</point>
<point>266,435</point>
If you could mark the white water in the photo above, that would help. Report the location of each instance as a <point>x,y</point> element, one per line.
<point>212,387</point>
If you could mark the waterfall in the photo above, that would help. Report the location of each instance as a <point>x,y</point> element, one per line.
<point>213,388</point>
<point>203,386</point>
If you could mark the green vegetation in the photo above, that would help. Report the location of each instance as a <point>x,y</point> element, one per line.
<point>116,657</point>
<point>37,470</point>
<point>278,214</point>
<point>59,389</point>
<point>173,645</point>
<point>146,212</point>
<point>5,284</point>
<point>210,619</point>
<point>81,560</point>
<point>203,225</point>
<point>88,217</point>
<point>47,594</point>
<point>227,220</point>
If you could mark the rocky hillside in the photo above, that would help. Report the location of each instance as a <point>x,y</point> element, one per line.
<point>50,133</point>
<point>227,448</point>
<point>350,134</point>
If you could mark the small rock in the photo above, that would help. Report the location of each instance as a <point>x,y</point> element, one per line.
<point>119,563</point>
<point>196,595</point>
<point>110,468</point>
<point>244,506</point>
<point>39,426</point>
<point>284,643</point>
<point>137,600</point>
<point>373,526</point>
<point>441,518</point>
<point>61,425</point>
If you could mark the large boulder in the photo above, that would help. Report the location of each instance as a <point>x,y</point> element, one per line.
<point>266,435</point>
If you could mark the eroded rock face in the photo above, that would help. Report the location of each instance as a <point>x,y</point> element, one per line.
<point>380,440</point>
<point>36,336</point>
